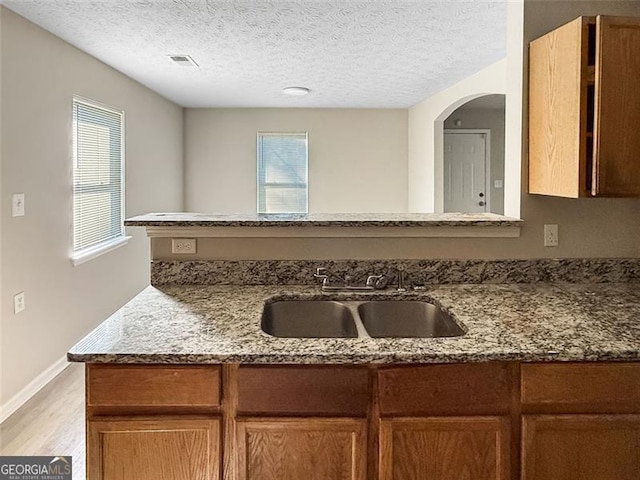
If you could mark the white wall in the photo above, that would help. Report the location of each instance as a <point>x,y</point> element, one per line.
<point>492,119</point>
<point>40,75</point>
<point>426,140</point>
<point>357,158</point>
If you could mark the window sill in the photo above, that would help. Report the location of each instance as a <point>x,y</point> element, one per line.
<point>90,253</point>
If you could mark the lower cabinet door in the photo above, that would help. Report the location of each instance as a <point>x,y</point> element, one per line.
<point>581,447</point>
<point>445,448</point>
<point>301,449</point>
<point>158,448</point>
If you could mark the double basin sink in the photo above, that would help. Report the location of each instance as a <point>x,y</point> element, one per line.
<point>351,319</point>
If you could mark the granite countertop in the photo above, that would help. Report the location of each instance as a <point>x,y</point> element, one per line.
<point>323,220</point>
<point>526,322</point>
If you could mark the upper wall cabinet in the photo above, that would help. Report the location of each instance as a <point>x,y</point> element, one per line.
<point>584,109</point>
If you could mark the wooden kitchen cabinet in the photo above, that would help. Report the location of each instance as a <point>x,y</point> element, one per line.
<point>581,421</point>
<point>158,448</point>
<point>446,422</point>
<point>299,448</point>
<point>153,422</point>
<point>581,447</point>
<point>584,109</point>
<point>479,421</point>
<point>445,448</point>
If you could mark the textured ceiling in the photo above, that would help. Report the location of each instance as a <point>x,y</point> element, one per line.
<point>350,53</point>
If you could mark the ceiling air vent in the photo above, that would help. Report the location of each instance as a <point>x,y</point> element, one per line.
<point>183,60</point>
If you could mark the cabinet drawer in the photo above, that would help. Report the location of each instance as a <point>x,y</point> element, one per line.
<point>581,387</point>
<point>460,389</point>
<point>153,386</point>
<point>304,390</point>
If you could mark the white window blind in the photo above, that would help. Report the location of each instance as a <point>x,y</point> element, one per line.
<point>282,173</point>
<point>98,176</point>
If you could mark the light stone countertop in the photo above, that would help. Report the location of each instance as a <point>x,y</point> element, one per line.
<point>184,219</point>
<point>525,322</point>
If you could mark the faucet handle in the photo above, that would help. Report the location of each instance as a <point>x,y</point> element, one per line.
<point>378,282</point>
<point>371,280</point>
<point>321,272</point>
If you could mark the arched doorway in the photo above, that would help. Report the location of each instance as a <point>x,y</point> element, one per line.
<point>473,151</point>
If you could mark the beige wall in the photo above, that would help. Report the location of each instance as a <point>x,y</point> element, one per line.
<point>492,119</point>
<point>357,158</point>
<point>40,75</point>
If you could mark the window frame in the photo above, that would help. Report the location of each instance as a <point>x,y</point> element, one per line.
<point>85,254</point>
<point>258,162</point>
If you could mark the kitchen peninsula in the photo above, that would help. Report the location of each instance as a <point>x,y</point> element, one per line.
<point>545,378</point>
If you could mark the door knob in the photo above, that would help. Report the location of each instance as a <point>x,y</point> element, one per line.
<point>481,204</point>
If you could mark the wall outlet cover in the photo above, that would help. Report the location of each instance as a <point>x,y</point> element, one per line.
<point>183,245</point>
<point>551,235</point>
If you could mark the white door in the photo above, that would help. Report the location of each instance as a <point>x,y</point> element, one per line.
<point>464,172</point>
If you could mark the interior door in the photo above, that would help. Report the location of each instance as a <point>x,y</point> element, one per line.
<point>464,172</point>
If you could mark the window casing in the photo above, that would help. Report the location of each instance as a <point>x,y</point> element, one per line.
<point>98,178</point>
<point>282,172</point>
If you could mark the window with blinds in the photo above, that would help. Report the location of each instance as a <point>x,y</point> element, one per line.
<point>282,173</point>
<point>98,176</point>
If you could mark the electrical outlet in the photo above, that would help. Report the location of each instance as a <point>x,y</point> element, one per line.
<point>551,235</point>
<point>183,245</point>
<point>17,205</point>
<point>18,303</point>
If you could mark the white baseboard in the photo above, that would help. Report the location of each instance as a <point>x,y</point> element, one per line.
<point>34,386</point>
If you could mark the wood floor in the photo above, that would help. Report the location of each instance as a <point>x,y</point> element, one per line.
<point>51,423</point>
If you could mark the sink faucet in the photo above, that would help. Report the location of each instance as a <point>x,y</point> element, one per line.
<point>374,282</point>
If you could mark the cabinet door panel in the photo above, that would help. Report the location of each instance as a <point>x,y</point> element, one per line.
<point>557,94</point>
<point>295,449</point>
<point>581,447</point>
<point>447,448</point>
<point>160,449</point>
<point>617,155</point>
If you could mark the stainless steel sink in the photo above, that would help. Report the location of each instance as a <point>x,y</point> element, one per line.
<point>308,319</point>
<point>350,319</point>
<point>407,318</point>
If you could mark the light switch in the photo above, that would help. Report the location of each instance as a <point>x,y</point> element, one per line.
<point>18,303</point>
<point>17,205</point>
<point>497,184</point>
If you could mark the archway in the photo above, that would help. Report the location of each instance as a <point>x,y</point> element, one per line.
<point>469,153</point>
